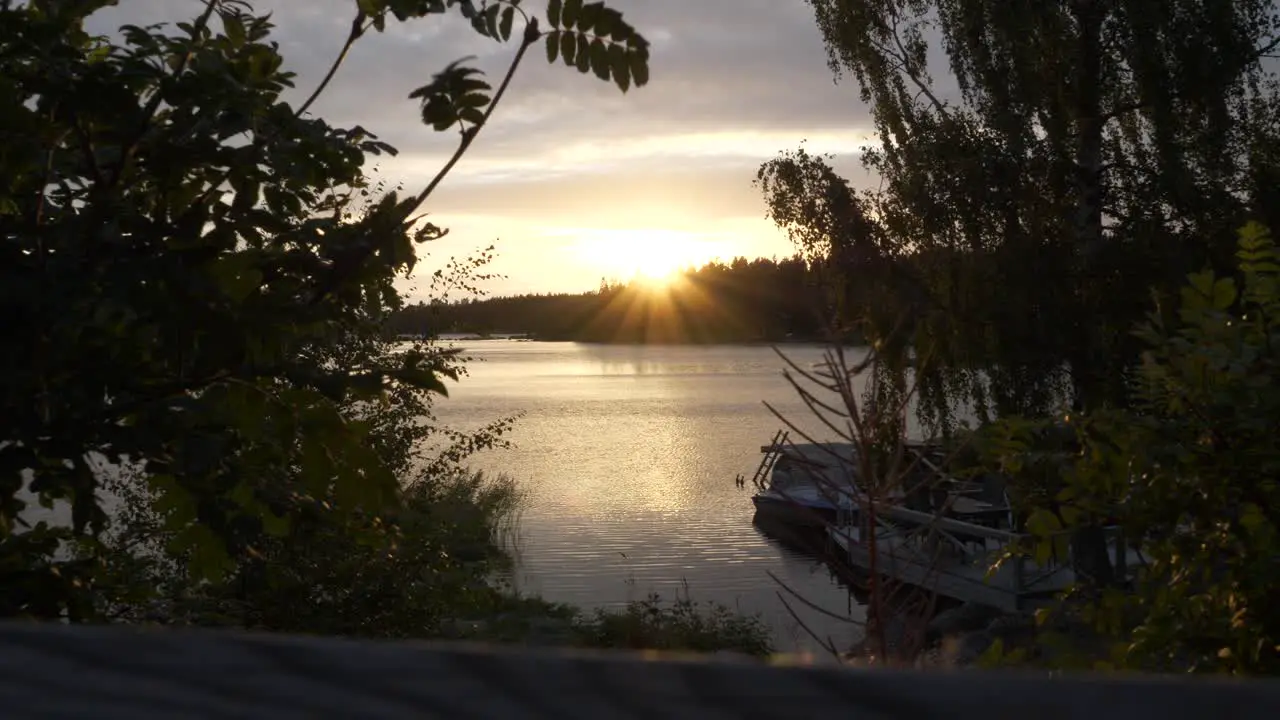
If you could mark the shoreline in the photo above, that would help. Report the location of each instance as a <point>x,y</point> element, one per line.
<point>648,343</point>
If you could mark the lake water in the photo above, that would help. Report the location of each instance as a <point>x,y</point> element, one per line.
<point>628,455</point>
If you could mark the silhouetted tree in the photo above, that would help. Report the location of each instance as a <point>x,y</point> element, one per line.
<point>1099,149</point>
<point>744,300</point>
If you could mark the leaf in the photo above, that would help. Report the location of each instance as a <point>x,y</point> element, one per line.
<point>568,47</point>
<point>508,18</point>
<point>587,17</point>
<point>366,483</point>
<point>1224,293</point>
<point>233,26</point>
<point>172,501</point>
<point>606,20</point>
<point>1043,523</point>
<point>1043,552</point>
<point>491,21</point>
<point>1071,515</point>
<point>599,54</point>
<point>569,15</point>
<point>583,57</point>
<point>639,68</point>
<point>619,30</point>
<point>553,13</point>
<point>317,467</point>
<point>207,558</point>
<point>619,66</point>
<point>421,378</point>
<point>553,48</point>
<point>993,655</point>
<point>451,96</point>
<point>236,277</point>
<point>1202,282</point>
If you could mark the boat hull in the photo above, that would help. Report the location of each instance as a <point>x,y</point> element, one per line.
<point>793,513</point>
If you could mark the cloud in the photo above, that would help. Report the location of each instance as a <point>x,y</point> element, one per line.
<point>733,83</point>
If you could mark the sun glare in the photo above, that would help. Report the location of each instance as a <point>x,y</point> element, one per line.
<point>656,271</point>
<point>654,257</point>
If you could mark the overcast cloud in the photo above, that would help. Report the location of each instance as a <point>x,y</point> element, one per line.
<point>569,160</point>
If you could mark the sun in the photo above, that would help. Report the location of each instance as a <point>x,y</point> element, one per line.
<point>657,270</point>
<point>652,256</point>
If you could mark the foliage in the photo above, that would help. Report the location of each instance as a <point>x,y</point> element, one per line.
<point>191,300</point>
<point>391,576</point>
<point>651,624</point>
<point>740,301</point>
<point>1095,149</point>
<point>1190,473</point>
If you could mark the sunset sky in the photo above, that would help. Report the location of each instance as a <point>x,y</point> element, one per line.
<point>573,181</point>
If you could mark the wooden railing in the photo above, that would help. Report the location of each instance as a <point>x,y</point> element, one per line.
<point>84,672</point>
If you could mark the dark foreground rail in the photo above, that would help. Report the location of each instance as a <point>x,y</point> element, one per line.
<point>59,671</point>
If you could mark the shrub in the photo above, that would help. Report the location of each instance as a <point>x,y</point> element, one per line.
<point>1191,473</point>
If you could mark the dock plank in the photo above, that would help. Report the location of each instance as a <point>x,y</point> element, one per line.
<point>965,583</point>
<point>1008,588</point>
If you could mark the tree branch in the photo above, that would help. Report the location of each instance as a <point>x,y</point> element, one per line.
<point>357,30</point>
<point>531,36</point>
<point>1258,55</point>
<point>903,58</point>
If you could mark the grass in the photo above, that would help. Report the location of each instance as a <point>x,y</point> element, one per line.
<point>684,624</point>
<point>480,512</point>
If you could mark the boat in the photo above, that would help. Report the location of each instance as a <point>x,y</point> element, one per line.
<point>812,484</point>
<point>804,484</point>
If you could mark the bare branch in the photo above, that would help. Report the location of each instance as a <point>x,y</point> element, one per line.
<point>358,29</point>
<point>826,644</point>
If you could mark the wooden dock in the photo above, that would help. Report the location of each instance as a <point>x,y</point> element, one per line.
<point>59,671</point>
<point>954,558</point>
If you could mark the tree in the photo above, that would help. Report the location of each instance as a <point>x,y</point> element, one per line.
<point>188,294</point>
<point>1189,472</point>
<point>1097,148</point>
<point>742,302</point>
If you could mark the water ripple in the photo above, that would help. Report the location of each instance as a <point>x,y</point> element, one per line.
<point>628,457</point>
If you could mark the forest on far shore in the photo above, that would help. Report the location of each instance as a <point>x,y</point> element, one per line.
<point>760,300</point>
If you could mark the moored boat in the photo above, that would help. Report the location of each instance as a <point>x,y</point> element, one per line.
<point>805,484</point>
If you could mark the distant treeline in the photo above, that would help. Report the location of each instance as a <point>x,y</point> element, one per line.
<point>759,300</point>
